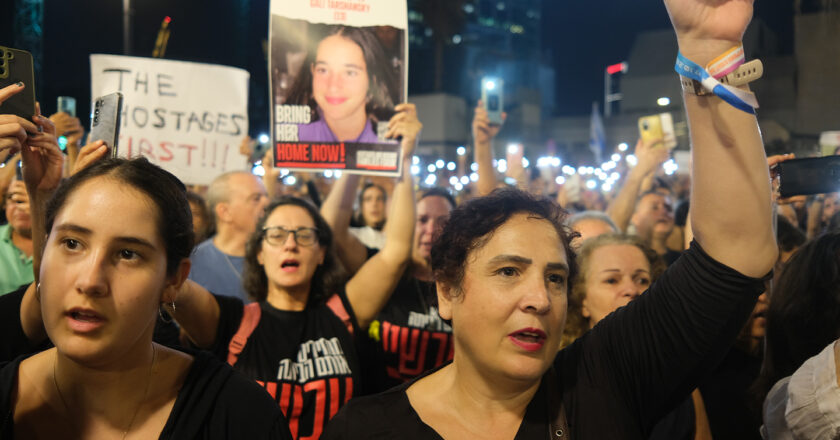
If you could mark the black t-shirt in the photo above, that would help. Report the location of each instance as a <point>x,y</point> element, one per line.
<point>727,398</point>
<point>409,334</point>
<point>214,402</point>
<point>306,360</point>
<point>13,341</point>
<point>620,378</point>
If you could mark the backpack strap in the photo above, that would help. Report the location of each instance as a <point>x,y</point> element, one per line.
<point>337,306</point>
<point>250,318</point>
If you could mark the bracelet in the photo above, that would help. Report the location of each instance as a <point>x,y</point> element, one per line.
<point>740,99</point>
<point>744,74</point>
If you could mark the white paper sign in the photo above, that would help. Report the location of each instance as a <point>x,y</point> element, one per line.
<point>188,118</point>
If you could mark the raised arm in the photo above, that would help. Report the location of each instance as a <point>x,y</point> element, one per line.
<point>650,156</point>
<point>337,210</point>
<point>483,134</point>
<point>730,199</point>
<point>370,288</point>
<point>197,312</point>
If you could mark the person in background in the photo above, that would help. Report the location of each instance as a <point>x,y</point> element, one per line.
<point>202,223</point>
<point>590,224</point>
<point>16,238</point>
<point>370,219</point>
<point>236,201</point>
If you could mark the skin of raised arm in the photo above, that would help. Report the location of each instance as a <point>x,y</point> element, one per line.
<point>370,288</point>
<point>731,209</point>
<point>650,156</point>
<point>337,210</point>
<point>197,312</point>
<point>483,134</point>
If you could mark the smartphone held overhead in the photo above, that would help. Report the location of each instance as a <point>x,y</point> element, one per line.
<point>818,175</point>
<point>492,96</point>
<point>658,127</point>
<point>16,67</point>
<point>105,121</point>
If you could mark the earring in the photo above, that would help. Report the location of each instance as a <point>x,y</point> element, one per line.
<point>161,313</point>
<point>38,291</point>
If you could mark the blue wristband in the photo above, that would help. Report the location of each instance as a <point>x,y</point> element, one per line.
<point>740,99</point>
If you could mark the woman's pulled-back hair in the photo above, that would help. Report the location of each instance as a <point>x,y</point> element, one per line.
<point>383,91</point>
<point>576,324</point>
<point>173,216</point>
<point>471,226</point>
<point>328,277</point>
<point>804,312</point>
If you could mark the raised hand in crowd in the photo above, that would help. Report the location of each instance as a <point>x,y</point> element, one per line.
<point>483,134</point>
<point>338,207</point>
<point>89,154</point>
<point>650,155</point>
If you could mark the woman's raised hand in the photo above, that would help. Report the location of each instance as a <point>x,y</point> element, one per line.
<point>708,28</point>
<point>406,125</point>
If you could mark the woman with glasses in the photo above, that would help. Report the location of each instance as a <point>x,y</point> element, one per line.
<point>297,338</point>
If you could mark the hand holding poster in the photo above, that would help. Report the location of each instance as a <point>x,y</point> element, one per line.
<point>338,68</point>
<point>188,118</point>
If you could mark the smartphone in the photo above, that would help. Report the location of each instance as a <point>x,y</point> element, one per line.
<point>67,104</point>
<point>572,187</point>
<point>105,120</point>
<point>19,170</point>
<point>820,175</point>
<point>492,97</point>
<point>513,155</point>
<point>16,66</point>
<point>656,127</point>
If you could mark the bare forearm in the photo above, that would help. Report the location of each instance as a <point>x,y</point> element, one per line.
<point>486,175</point>
<point>622,206</point>
<point>337,211</point>
<point>730,202</point>
<point>197,312</point>
<point>399,230</point>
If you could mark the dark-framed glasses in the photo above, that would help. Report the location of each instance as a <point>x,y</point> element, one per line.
<point>277,235</point>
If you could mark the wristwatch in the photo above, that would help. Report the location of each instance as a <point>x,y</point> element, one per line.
<point>744,74</point>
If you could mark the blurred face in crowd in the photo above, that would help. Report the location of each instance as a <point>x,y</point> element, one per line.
<point>373,206</point>
<point>654,216</point>
<point>508,314</point>
<point>432,213</point>
<point>247,200</point>
<point>830,205</point>
<point>590,228</point>
<point>17,209</point>
<point>102,280</point>
<point>616,274</point>
<point>340,80</point>
<point>288,263</point>
<point>199,221</point>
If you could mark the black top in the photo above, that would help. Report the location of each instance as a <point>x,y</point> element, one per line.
<point>727,398</point>
<point>214,403</point>
<point>306,360</point>
<point>409,335</point>
<point>621,377</point>
<point>13,341</point>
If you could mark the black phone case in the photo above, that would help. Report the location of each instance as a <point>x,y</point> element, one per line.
<point>818,175</point>
<point>16,66</point>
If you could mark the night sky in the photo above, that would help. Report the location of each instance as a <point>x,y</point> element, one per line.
<point>586,36</point>
<point>583,36</point>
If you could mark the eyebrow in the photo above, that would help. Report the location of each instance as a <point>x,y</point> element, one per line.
<point>354,66</point>
<point>504,258</point>
<point>619,270</point>
<point>69,227</point>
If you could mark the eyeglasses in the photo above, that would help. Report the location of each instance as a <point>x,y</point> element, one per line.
<point>277,235</point>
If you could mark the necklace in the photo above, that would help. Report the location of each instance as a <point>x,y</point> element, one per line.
<point>140,405</point>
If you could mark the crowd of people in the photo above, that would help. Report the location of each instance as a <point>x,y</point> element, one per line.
<point>693,308</point>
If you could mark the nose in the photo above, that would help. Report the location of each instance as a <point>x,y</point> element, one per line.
<point>333,81</point>
<point>629,288</point>
<point>536,297</point>
<point>290,243</point>
<point>93,276</point>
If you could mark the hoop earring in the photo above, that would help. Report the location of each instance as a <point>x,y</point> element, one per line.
<point>38,291</point>
<point>161,313</point>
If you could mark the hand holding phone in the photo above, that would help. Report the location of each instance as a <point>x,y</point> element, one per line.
<point>16,67</point>
<point>493,98</point>
<point>658,127</point>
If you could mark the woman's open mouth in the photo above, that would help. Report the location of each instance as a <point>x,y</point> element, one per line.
<point>529,339</point>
